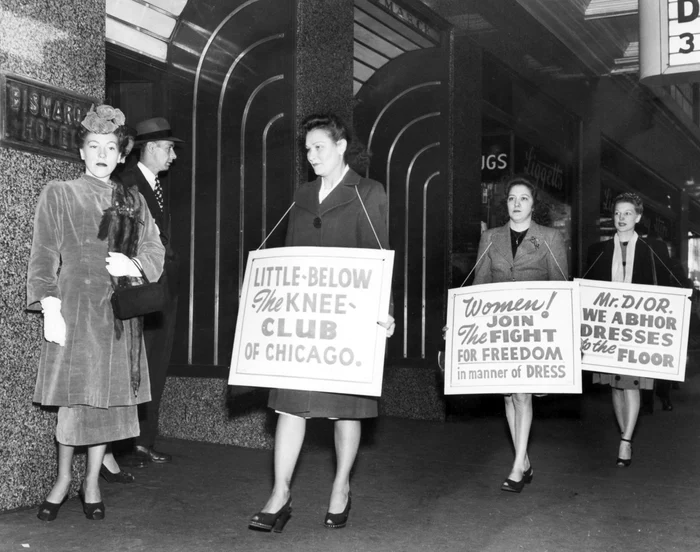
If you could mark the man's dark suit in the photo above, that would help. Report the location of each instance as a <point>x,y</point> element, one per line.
<point>159,327</point>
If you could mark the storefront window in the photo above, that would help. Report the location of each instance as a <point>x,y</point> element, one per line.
<point>524,131</point>
<point>622,173</point>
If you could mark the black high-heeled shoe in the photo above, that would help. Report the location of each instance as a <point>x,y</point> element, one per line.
<point>625,462</point>
<point>528,474</point>
<point>119,477</point>
<point>48,511</point>
<point>337,521</point>
<point>513,486</point>
<point>94,511</point>
<point>267,521</point>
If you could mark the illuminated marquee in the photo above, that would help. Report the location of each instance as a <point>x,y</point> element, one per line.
<point>669,41</point>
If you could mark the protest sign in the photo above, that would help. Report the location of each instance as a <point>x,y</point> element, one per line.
<point>513,337</point>
<point>634,329</point>
<point>307,319</point>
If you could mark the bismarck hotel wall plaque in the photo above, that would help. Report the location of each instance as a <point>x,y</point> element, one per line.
<point>40,118</point>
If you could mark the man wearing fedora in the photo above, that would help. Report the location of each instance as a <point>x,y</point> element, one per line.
<point>157,144</point>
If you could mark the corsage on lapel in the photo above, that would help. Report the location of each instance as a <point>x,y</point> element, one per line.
<point>535,241</point>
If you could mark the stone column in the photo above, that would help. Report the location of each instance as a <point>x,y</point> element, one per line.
<point>61,44</point>
<point>324,64</point>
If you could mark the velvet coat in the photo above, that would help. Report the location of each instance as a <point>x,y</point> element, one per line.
<point>339,221</point>
<point>533,260</point>
<point>67,261</point>
<point>646,264</point>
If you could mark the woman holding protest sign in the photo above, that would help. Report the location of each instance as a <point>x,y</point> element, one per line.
<point>631,259</point>
<point>521,250</point>
<point>338,209</point>
<point>88,233</point>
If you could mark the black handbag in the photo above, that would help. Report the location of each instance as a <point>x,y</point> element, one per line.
<point>132,301</point>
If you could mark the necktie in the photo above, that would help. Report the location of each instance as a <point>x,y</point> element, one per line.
<point>158,190</point>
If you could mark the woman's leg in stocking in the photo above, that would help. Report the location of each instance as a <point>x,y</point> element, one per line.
<point>522,403</point>
<point>289,436</point>
<point>65,468</point>
<point>91,486</point>
<point>347,443</point>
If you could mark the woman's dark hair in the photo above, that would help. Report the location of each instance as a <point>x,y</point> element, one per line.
<point>355,154</point>
<point>540,210</point>
<point>628,197</point>
<point>125,140</point>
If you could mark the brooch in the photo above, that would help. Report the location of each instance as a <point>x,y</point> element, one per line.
<point>535,242</point>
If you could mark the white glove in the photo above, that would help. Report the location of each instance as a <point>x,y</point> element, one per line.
<point>390,325</point>
<point>54,325</point>
<point>119,264</point>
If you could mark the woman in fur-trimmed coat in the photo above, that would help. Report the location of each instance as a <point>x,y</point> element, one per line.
<point>89,234</point>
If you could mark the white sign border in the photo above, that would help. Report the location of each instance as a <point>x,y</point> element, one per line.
<point>374,388</point>
<point>574,387</point>
<point>683,346</point>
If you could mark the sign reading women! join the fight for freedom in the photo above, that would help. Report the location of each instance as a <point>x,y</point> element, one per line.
<point>634,329</point>
<point>513,338</point>
<point>308,317</point>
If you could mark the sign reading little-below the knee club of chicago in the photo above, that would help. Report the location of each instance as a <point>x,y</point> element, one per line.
<point>634,329</point>
<point>513,337</point>
<point>307,319</point>
<point>40,118</point>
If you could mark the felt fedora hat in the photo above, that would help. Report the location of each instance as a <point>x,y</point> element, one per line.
<point>154,129</point>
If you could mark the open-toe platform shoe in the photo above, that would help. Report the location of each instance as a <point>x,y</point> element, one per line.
<point>49,510</point>
<point>513,486</point>
<point>275,521</point>
<point>94,511</point>
<point>336,521</point>
<point>625,462</point>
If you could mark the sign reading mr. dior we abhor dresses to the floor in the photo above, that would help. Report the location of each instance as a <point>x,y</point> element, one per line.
<point>634,329</point>
<point>307,319</point>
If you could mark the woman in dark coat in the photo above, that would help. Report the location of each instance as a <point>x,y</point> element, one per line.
<point>520,251</point>
<point>92,366</point>
<point>327,212</point>
<point>626,258</point>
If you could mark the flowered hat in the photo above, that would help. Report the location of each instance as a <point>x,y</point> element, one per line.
<point>103,119</point>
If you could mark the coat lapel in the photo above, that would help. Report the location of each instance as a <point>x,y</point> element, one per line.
<point>150,197</point>
<point>307,196</point>
<point>501,243</point>
<point>343,193</point>
<point>533,240</point>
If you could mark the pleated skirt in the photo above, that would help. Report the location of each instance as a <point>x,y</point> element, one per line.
<point>86,425</point>
<point>317,404</point>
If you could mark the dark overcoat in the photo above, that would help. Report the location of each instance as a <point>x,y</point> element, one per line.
<point>648,269</point>
<point>169,278</point>
<point>646,263</point>
<point>340,221</point>
<point>67,261</point>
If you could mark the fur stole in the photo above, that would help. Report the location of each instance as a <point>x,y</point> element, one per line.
<point>120,227</point>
